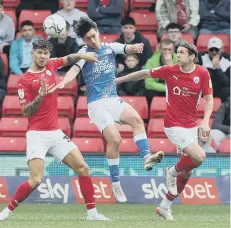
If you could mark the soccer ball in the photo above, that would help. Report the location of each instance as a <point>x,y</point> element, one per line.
<point>54,26</point>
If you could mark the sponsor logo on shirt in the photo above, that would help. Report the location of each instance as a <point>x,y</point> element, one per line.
<point>48,73</point>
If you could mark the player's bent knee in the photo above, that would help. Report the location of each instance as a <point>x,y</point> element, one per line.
<point>83,170</point>
<point>115,141</point>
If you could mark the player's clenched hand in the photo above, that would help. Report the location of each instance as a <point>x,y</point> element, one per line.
<point>139,48</point>
<point>204,131</point>
<point>60,85</point>
<point>90,57</point>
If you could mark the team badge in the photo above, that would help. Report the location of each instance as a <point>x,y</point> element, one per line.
<point>21,93</point>
<point>48,73</point>
<point>210,84</point>
<point>196,80</point>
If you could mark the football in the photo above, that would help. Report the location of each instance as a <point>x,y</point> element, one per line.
<point>54,26</point>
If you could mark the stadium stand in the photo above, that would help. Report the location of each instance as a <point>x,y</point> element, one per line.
<point>13,145</point>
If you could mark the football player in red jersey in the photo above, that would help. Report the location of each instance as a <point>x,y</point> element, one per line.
<point>43,135</point>
<point>185,82</point>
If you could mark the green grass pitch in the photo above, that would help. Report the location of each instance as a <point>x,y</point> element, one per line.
<point>123,215</point>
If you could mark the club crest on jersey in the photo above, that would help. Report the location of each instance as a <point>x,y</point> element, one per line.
<point>48,73</point>
<point>21,93</point>
<point>196,79</point>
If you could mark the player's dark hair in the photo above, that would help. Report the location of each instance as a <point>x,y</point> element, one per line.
<point>128,21</point>
<point>132,55</point>
<point>42,44</point>
<point>174,26</point>
<point>28,23</point>
<point>192,49</point>
<point>83,26</point>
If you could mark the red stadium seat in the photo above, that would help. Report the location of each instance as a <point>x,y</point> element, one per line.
<point>109,38</point>
<point>152,39</point>
<point>11,3</point>
<point>128,145</point>
<point>83,127</point>
<point>145,20</point>
<point>66,106</point>
<point>65,126</point>
<point>89,145</point>
<point>185,36</point>
<point>12,144</point>
<point>12,84</point>
<point>36,16</point>
<point>81,107</point>
<point>5,62</point>
<point>216,105</point>
<point>202,41</point>
<point>13,126</point>
<point>156,128</point>
<point>225,146</point>
<point>70,89</point>
<point>39,33</point>
<point>125,130</point>
<point>158,107</point>
<point>11,106</point>
<point>162,144</point>
<point>140,104</point>
<point>141,4</point>
<point>11,13</point>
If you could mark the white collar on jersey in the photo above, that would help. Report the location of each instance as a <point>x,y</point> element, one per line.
<point>189,71</point>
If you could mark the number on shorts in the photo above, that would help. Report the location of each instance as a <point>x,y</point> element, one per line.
<point>67,138</point>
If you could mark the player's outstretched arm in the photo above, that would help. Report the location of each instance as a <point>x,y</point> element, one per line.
<point>134,48</point>
<point>30,108</point>
<point>138,75</point>
<point>73,58</point>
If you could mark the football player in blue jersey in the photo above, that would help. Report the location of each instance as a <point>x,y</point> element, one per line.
<point>105,108</point>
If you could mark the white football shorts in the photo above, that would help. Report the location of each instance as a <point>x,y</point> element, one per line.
<point>106,111</point>
<point>182,137</point>
<point>56,143</point>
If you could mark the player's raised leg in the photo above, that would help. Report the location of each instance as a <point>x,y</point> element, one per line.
<point>131,117</point>
<point>113,138</point>
<point>75,161</point>
<point>36,167</point>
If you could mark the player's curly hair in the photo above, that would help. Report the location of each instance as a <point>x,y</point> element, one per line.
<point>83,26</point>
<point>42,44</point>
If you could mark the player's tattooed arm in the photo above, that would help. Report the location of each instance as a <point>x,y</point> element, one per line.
<point>73,58</point>
<point>29,109</point>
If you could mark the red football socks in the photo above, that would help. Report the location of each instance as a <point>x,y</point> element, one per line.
<point>87,191</point>
<point>185,164</point>
<point>181,182</point>
<point>22,192</point>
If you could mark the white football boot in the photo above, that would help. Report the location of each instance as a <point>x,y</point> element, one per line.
<point>118,192</point>
<point>98,217</point>
<point>164,212</point>
<point>5,214</point>
<point>152,159</point>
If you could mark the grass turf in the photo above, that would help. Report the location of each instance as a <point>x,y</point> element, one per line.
<point>124,216</point>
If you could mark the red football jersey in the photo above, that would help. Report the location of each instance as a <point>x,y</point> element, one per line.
<point>183,93</point>
<point>46,117</point>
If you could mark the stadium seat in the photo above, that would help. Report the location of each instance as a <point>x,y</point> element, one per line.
<point>39,33</point>
<point>152,39</point>
<point>128,145</point>
<point>12,145</point>
<point>156,128</point>
<point>109,38</point>
<point>185,36</point>
<point>145,21</point>
<point>11,106</point>
<point>83,127</point>
<point>89,145</point>
<point>11,13</point>
<point>141,4</point>
<point>5,62</point>
<point>125,130</point>
<point>81,107</point>
<point>36,16</point>
<point>66,106</point>
<point>11,3</point>
<point>216,105</point>
<point>163,144</point>
<point>158,107</point>
<point>70,89</point>
<point>225,146</point>
<point>202,41</point>
<point>140,104</point>
<point>12,84</point>
<point>13,126</point>
<point>65,126</point>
